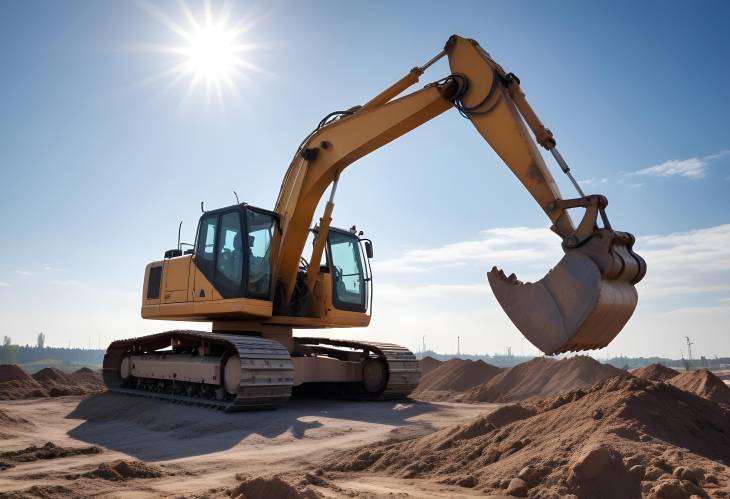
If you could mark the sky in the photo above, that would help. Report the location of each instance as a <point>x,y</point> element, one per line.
<point>104,149</point>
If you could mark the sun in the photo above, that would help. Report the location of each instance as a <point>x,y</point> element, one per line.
<point>211,49</point>
<point>211,53</point>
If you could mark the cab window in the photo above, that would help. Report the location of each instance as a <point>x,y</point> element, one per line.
<point>229,260</point>
<point>205,245</point>
<point>260,232</point>
<point>348,280</point>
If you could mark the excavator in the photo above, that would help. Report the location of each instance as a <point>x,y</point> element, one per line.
<point>248,275</point>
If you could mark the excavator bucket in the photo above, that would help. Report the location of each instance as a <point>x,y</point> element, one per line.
<point>582,303</point>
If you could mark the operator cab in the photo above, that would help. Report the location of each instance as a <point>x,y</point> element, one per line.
<point>229,274</point>
<point>233,251</point>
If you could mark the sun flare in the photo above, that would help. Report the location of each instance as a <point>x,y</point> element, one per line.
<point>211,53</point>
<point>212,50</point>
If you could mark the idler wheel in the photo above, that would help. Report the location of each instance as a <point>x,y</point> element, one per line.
<point>374,375</point>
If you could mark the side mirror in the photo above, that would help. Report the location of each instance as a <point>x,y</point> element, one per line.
<point>369,249</point>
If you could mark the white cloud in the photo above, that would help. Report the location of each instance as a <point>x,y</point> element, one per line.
<point>4,284</point>
<point>534,250</point>
<point>593,181</point>
<point>65,283</point>
<point>684,262</point>
<point>23,272</point>
<point>694,168</point>
<point>696,261</point>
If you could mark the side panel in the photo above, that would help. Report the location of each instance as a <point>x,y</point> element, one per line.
<point>175,273</point>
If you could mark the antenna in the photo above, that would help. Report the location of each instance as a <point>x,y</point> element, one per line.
<point>237,201</point>
<point>458,345</point>
<point>179,228</point>
<point>201,207</point>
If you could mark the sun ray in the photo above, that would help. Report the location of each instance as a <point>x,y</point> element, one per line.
<point>210,49</point>
<point>166,21</point>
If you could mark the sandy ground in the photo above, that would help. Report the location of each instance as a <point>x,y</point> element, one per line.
<point>200,451</point>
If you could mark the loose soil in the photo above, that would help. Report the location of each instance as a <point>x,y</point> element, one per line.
<point>541,377</point>
<point>428,364</point>
<point>704,384</point>
<point>16,384</point>
<point>654,372</point>
<point>623,437</point>
<point>450,379</point>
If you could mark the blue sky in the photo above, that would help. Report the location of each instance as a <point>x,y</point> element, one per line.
<point>99,163</point>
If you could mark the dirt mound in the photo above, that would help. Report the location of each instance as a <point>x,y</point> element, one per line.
<point>51,374</point>
<point>703,384</point>
<point>48,382</point>
<point>18,389</point>
<point>57,382</point>
<point>16,384</point>
<point>541,377</point>
<point>12,372</point>
<point>120,470</point>
<point>428,364</point>
<point>88,379</point>
<point>266,488</point>
<point>654,372</point>
<point>623,437</point>
<point>47,451</point>
<point>42,492</point>
<point>453,377</point>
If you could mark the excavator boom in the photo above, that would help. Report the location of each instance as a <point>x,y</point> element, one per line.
<point>583,303</point>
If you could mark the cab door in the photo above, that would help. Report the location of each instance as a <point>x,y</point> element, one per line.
<point>204,259</point>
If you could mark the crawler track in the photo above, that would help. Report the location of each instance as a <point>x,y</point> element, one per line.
<point>266,369</point>
<point>404,372</point>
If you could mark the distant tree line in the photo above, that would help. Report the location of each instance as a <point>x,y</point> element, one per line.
<point>17,354</point>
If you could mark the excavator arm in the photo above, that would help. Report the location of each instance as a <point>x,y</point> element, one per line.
<point>581,304</point>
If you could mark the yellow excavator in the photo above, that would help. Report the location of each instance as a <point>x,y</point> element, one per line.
<point>247,272</point>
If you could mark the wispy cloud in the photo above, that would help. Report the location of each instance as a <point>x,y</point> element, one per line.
<point>531,248</point>
<point>696,261</point>
<point>593,181</point>
<point>64,283</point>
<point>693,168</point>
<point>23,272</point>
<point>4,284</point>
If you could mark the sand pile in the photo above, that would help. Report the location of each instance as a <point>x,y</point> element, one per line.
<point>452,378</point>
<point>655,372</point>
<point>623,437</point>
<point>57,382</point>
<point>16,384</point>
<point>88,379</point>
<point>42,492</point>
<point>428,364</point>
<point>121,470</point>
<point>47,451</point>
<point>267,488</point>
<point>540,378</point>
<point>703,384</point>
<point>11,372</point>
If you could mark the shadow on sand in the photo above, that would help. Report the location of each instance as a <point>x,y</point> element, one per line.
<point>154,430</point>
